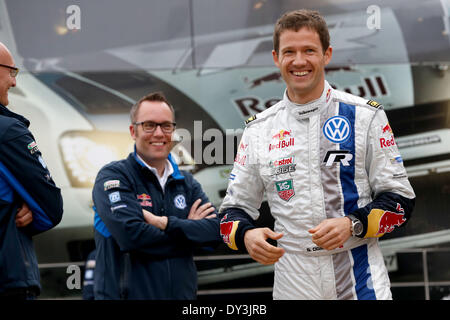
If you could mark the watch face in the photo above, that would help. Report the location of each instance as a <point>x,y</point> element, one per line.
<point>358,228</point>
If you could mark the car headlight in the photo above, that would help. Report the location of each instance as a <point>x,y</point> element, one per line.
<point>85,152</point>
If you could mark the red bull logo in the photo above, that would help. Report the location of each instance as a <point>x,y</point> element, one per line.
<point>386,128</point>
<point>386,143</point>
<point>227,231</point>
<point>242,146</point>
<point>328,96</point>
<point>241,159</point>
<point>143,196</point>
<point>282,134</point>
<point>282,144</point>
<point>390,219</point>
<point>145,200</point>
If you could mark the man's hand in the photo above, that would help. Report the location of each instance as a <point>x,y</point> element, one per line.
<point>24,216</point>
<point>199,212</point>
<point>331,233</point>
<point>159,222</point>
<point>259,249</point>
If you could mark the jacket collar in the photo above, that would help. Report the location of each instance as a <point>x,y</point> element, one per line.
<point>176,174</point>
<point>4,111</point>
<point>302,111</point>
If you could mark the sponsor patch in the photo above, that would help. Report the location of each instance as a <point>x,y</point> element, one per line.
<point>328,96</point>
<point>387,128</point>
<point>242,146</point>
<point>114,197</point>
<point>41,160</point>
<point>285,189</point>
<point>337,129</point>
<point>110,184</point>
<point>373,104</point>
<point>180,201</point>
<point>283,142</point>
<point>228,232</point>
<point>252,118</point>
<point>384,221</point>
<point>302,113</point>
<point>240,159</point>
<point>281,162</point>
<point>387,142</point>
<point>120,206</point>
<point>283,169</point>
<point>399,175</point>
<point>33,147</point>
<point>145,200</point>
<point>282,134</point>
<point>396,160</point>
<point>338,156</point>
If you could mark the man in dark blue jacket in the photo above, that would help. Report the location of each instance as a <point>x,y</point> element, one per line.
<point>30,202</point>
<point>148,217</point>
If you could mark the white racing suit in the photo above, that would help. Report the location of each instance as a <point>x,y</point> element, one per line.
<point>325,159</point>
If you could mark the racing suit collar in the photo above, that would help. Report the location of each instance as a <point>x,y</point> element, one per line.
<point>8,113</point>
<point>302,111</point>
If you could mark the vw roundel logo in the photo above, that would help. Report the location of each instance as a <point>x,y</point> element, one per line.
<point>337,129</point>
<point>180,202</point>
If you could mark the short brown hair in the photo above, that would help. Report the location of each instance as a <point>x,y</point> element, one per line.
<point>154,96</point>
<point>295,20</point>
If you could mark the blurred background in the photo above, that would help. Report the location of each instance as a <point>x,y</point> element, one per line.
<point>84,63</point>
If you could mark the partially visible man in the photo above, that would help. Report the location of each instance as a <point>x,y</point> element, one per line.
<point>333,176</point>
<point>150,216</point>
<point>30,202</point>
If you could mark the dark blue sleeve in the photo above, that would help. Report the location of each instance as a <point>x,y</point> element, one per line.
<point>122,215</point>
<point>385,213</point>
<point>234,222</point>
<point>24,168</point>
<point>204,231</point>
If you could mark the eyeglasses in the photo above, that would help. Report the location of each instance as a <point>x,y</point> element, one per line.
<point>150,126</point>
<point>13,70</point>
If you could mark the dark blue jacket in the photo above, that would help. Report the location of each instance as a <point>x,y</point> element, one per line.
<point>134,259</point>
<point>24,177</point>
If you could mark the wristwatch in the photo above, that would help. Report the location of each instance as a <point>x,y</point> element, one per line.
<point>356,227</point>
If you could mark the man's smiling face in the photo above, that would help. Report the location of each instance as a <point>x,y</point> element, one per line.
<point>153,148</point>
<point>6,80</point>
<point>302,62</point>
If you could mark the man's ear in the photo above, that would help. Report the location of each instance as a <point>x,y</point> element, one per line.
<point>328,54</point>
<point>133,131</point>
<point>275,58</point>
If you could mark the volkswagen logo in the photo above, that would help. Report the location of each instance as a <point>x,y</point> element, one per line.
<point>180,202</point>
<point>337,129</point>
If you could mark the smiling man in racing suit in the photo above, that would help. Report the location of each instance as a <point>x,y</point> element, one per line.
<point>332,173</point>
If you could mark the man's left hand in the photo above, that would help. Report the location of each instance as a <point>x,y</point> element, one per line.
<point>331,233</point>
<point>198,211</point>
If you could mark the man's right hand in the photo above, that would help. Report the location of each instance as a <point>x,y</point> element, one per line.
<point>24,216</point>
<point>156,221</point>
<point>259,249</point>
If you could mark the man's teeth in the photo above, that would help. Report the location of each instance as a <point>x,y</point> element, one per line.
<point>157,143</point>
<point>302,73</point>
